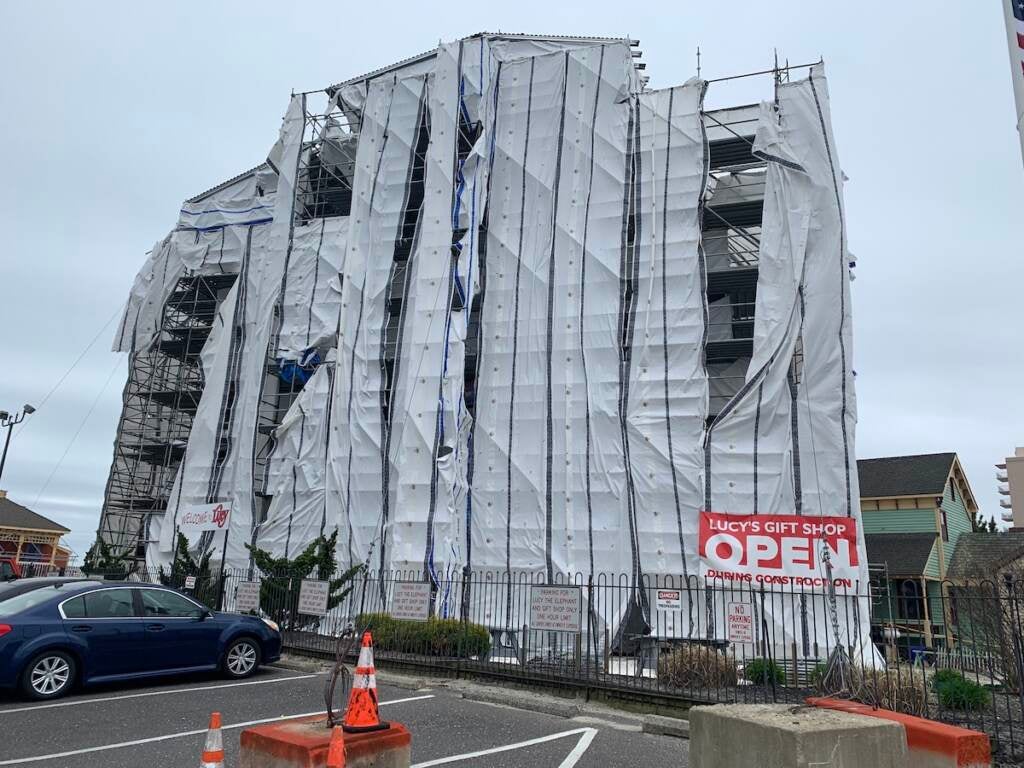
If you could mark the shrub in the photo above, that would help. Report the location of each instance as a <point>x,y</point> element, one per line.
<point>696,666</point>
<point>817,676</point>
<point>892,689</point>
<point>944,676</point>
<point>764,672</point>
<point>435,637</point>
<point>963,694</point>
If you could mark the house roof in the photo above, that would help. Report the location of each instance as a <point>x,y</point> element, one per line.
<point>16,516</point>
<point>922,475</point>
<point>982,555</point>
<point>904,554</point>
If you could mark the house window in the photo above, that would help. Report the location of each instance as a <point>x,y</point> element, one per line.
<point>945,524</point>
<point>909,601</point>
<point>952,489</point>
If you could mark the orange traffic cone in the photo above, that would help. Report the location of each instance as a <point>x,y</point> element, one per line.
<point>213,752</point>
<point>361,714</point>
<point>336,752</point>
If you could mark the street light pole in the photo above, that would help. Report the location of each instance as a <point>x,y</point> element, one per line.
<point>7,420</point>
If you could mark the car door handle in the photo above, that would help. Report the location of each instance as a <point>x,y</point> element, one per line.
<point>81,628</point>
<point>154,627</point>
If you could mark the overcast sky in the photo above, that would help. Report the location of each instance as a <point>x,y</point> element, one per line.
<point>113,113</point>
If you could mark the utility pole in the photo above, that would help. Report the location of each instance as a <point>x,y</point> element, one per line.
<point>7,420</point>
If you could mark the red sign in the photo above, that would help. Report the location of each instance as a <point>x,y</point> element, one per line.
<point>787,550</point>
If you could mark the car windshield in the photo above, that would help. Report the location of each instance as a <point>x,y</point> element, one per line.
<point>10,605</point>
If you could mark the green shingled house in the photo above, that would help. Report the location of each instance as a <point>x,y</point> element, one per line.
<point>915,509</point>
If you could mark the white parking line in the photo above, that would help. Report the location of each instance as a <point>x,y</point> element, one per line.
<point>181,735</point>
<point>586,736</point>
<point>96,700</point>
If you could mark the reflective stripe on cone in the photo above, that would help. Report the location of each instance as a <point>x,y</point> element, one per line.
<point>362,714</point>
<point>213,751</point>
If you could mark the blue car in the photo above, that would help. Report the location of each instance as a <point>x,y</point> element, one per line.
<point>89,632</point>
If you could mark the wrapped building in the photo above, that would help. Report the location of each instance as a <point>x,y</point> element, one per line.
<point>500,308</point>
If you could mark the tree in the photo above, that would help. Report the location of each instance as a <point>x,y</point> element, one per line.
<point>102,559</point>
<point>282,579</point>
<point>984,525</point>
<point>207,589</point>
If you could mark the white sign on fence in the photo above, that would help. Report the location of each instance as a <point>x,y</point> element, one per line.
<point>313,597</point>
<point>740,623</point>
<point>669,599</point>
<point>205,517</point>
<point>410,600</point>
<point>556,609</point>
<point>190,582</point>
<point>247,596</point>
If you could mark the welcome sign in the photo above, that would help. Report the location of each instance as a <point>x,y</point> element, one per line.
<point>205,517</point>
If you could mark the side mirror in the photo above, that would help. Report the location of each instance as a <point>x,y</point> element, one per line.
<point>203,615</point>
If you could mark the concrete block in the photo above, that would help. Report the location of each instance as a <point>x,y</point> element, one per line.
<point>930,744</point>
<point>666,726</point>
<point>787,736</point>
<point>303,743</point>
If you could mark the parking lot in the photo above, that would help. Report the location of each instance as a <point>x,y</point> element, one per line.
<point>163,726</point>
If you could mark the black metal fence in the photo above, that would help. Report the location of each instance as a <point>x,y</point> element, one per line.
<point>949,652</point>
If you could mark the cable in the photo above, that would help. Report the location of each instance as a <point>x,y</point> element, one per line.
<point>78,431</point>
<point>73,366</point>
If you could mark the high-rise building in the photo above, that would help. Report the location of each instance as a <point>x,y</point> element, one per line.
<point>1010,475</point>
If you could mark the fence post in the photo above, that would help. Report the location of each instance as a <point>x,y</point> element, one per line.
<point>796,666</point>
<point>607,649</point>
<point>526,646</point>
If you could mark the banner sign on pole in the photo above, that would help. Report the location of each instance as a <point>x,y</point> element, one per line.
<point>313,596</point>
<point>410,601</point>
<point>784,550</point>
<point>740,623</point>
<point>556,609</point>
<point>205,517</point>
<point>247,596</point>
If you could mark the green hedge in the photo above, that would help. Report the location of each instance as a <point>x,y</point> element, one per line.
<point>434,637</point>
<point>764,671</point>
<point>957,692</point>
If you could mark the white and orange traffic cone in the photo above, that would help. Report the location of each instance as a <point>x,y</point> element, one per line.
<point>213,752</point>
<point>361,714</point>
<point>336,751</point>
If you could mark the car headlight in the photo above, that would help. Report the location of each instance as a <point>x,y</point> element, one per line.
<point>272,625</point>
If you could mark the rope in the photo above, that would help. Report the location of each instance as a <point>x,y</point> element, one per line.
<point>73,366</point>
<point>78,431</point>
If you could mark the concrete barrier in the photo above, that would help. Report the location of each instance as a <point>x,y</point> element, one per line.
<point>303,743</point>
<point>787,736</point>
<point>930,744</point>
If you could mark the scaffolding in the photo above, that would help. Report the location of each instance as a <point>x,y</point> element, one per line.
<point>165,383</point>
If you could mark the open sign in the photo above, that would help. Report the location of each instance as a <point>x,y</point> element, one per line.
<point>789,550</point>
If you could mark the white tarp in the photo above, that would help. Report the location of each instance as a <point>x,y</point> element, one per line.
<point>311,302</point>
<point>668,386</point>
<point>384,162</point>
<point>767,451</point>
<point>209,239</point>
<point>298,471</point>
<point>567,203</point>
<point>548,468</point>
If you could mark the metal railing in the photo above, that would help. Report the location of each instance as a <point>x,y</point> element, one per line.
<point>673,639</point>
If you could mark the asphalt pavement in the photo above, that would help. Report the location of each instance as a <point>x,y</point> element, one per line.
<point>163,725</point>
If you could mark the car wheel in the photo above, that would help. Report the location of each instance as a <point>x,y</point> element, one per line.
<point>49,675</point>
<point>242,657</point>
